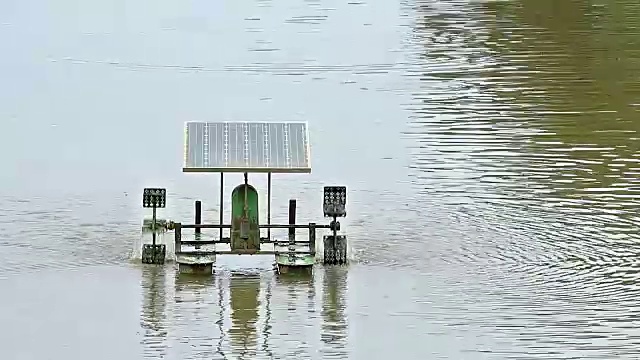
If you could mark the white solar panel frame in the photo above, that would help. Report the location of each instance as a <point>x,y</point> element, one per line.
<point>210,147</point>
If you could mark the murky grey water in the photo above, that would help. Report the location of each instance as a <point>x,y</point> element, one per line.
<point>490,149</point>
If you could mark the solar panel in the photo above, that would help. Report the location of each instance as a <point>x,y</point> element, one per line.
<point>278,147</point>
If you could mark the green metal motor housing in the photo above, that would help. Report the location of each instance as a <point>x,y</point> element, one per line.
<point>245,232</point>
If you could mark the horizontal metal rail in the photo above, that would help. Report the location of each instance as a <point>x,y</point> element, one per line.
<point>227,252</point>
<point>204,242</point>
<point>228,241</point>
<point>265,226</point>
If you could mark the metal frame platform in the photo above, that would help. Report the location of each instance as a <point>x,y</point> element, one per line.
<point>312,227</point>
<point>251,147</point>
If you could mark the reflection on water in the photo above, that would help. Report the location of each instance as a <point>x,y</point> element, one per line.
<point>244,292</point>
<point>220,323</point>
<point>244,315</point>
<point>266,327</point>
<point>199,324</point>
<point>153,317</point>
<point>334,320</point>
<point>525,132</point>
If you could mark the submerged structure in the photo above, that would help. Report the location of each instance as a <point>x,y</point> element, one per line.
<point>248,148</point>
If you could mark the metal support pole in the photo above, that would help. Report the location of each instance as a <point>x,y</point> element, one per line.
<point>198,235</point>
<point>178,237</point>
<point>221,202</point>
<point>335,234</point>
<point>198,219</point>
<point>292,218</point>
<point>312,238</point>
<point>269,205</point>
<point>246,189</point>
<point>153,226</point>
<point>292,230</point>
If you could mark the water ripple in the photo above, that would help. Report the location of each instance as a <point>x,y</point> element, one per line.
<point>535,162</point>
<point>509,231</point>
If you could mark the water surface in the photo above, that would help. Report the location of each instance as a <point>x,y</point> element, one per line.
<point>490,150</point>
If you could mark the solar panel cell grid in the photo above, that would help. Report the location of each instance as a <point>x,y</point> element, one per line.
<point>247,147</point>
